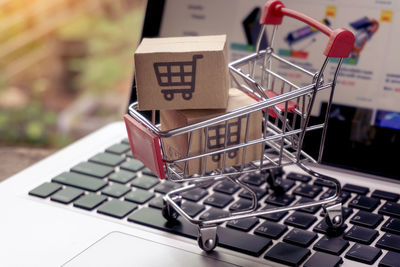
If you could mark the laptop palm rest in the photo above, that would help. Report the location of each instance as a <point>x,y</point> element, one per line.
<point>120,249</point>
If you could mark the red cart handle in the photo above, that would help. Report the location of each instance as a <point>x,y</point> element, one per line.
<point>341,41</point>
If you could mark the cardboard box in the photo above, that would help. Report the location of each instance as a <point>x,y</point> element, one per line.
<point>177,147</point>
<point>182,73</point>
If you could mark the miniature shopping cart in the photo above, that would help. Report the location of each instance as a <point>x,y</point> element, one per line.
<point>177,77</point>
<point>219,134</point>
<point>285,107</point>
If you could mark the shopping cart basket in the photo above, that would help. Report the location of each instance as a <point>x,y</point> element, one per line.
<point>286,109</point>
<point>177,77</point>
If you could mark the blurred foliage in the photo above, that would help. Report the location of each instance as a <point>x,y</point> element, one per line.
<point>111,44</point>
<point>30,125</point>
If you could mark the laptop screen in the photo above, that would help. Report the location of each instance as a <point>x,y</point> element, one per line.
<point>364,126</point>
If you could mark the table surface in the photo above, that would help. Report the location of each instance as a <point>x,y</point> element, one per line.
<point>15,159</point>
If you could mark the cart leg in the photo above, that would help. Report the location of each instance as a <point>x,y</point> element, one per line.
<point>274,180</point>
<point>207,238</point>
<point>168,211</point>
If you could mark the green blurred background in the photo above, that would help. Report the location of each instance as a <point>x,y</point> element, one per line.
<point>65,67</point>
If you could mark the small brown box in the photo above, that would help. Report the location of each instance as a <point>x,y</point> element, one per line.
<point>176,147</point>
<point>182,73</point>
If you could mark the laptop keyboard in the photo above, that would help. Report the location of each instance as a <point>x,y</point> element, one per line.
<point>115,184</point>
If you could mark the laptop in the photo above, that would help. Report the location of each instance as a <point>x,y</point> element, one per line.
<point>92,204</point>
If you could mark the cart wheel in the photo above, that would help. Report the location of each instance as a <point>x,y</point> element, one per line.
<point>168,96</point>
<point>216,157</point>
<point>187,96</point>
<point>169,213</point>
<point>232,154</point>
<point>336,223</point>
<point>209,244</point>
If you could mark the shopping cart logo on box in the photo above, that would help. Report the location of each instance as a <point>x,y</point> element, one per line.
<point>177,77</point>
<point>218,135</point>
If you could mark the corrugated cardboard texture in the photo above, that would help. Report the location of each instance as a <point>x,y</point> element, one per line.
<point>199,68</point>
<point>177,147</point>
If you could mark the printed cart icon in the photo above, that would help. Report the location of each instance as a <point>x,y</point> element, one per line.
<point>177,77</point>
<point>217,134</point>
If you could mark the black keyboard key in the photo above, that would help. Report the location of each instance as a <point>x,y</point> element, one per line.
<point>214,213</point>
<point>153,218</point>
<point>385,195</point>
<point>107,159</point>
<point>194,194</point>
<point>332,245</point>
<point>254,179</point>
<point>275,216</point>
<point>298,177</point>
<point>392,225</point>
<point>92,169</point>
<point>191,208</point>
<point>364,203</point>
<point>361,234</point>
<point>122,176</point>
<point>227,187</point>
<point>90,201</point>
<point>286,184</point>
<point>287,254</point>
<point>352,188</point>
<point>147,171</point>
<point>312,209</point>
<point>391,259</point>
<point>307,190</point>
<point>390,242</point>
<point>240,205</point>
<point>323,228</point>
<point>260,192</point>
<point>363,253</point>
<point>242,242</point>
<point>366,219</point>
<point>117,208</point>
<point>271,229</point>
<point>80,181</point>
<point>390,209</point>
<point>218,200</point>
<point>139,196</point>
<point>245,224</point>
<point>67,195</point>
<point>344,195</point>
<point>118,148</point>
<point>319,259</point>
<point>326,183</point>
<point>157,202</point>
<point>132,165</point>
<point>280,200</point>
<point>166,187</point>
<point>300,237</point>
<point>44,190</point>
<point>300,220</point>
<point>145,182</point>
<point>115,190</point>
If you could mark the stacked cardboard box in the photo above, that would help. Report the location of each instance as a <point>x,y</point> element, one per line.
<point>187,79</point>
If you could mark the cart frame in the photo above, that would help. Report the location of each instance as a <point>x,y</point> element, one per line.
<point>286,120</point>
